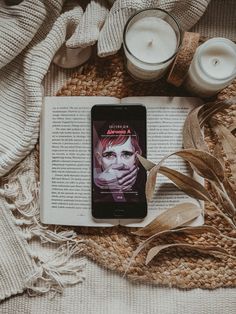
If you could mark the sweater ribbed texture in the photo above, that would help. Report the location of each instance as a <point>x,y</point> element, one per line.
<point>211,25</point>
<point>18,25</point>
<point>20,105</point>
<point>21,72</point>
<point>20,84</point>
<point>87,32</point>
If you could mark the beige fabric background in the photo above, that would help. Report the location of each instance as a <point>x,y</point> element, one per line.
<point>105,292</point>
<point>219,20</point>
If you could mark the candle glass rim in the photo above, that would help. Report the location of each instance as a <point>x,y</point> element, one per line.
<point>177,48</point>
<point>204,46</point>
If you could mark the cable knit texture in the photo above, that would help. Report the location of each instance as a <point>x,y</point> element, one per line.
<point>186,12</point>
<point>34,38</point>
<point>20,84</point>
<point>18,25</point>
<point>20,102</point>
<point>87,32</point>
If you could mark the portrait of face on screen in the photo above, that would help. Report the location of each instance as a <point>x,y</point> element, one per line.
<point>117,172</point>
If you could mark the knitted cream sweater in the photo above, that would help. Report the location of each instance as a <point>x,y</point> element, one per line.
<point>30,34</point>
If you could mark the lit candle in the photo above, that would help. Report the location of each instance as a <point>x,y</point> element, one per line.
<point>213,67</point>
<point>151,40</point>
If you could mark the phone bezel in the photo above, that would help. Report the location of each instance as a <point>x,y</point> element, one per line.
<point>118,210</point>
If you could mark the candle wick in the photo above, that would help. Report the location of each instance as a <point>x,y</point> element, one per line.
<point>215,61</point>
<point>150,43</point>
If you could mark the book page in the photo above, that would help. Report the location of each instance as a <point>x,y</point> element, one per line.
<point>165,119</point>
<point>65,160</point>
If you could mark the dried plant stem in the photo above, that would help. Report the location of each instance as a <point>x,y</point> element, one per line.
<point>188,230</point>
<point>208,112</point>
<point>225,195</point>
<point>223,214</point>
<point>211,250</point>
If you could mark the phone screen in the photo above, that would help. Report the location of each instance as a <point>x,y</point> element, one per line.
<point>118,178</point>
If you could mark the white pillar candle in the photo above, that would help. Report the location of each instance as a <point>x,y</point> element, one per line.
<point>151,40</point>
<point>213,67</point>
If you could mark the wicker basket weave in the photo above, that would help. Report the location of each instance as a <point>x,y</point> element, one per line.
<point>112,247</point>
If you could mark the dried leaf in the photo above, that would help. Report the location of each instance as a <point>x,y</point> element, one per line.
<point>151,182</point>
<point>201,161</point>
<point>147,164</point>
<point>192,133</point>
<point>232,126</point>
<point>188,185</point>
<point>228,141</point>
<point>230,191</point>
<point>151,179</point>
<point>212,250</point>
<point>200,230</point>
<point>222,198</point>
<point>209,109</point>
<point>217,152</point>
<point>187,230</point>
<point>205,164</point>
<point>197,230</point>
<point>171,218</point>
<point>193,230</point>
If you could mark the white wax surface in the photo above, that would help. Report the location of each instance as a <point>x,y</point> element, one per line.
<point>151,40</point>
<point>71,57</point>
<point>218,60</point>
<point>212,68</point>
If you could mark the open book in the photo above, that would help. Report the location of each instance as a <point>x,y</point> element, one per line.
<point>65,159</point>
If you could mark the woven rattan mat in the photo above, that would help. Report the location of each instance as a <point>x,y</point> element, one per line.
<point>113,247</point>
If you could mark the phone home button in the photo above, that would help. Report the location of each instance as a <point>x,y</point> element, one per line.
<point>119,212</point>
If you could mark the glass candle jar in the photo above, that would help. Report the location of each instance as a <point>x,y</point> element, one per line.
<point>151,40</point>
<point>212,68</point>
